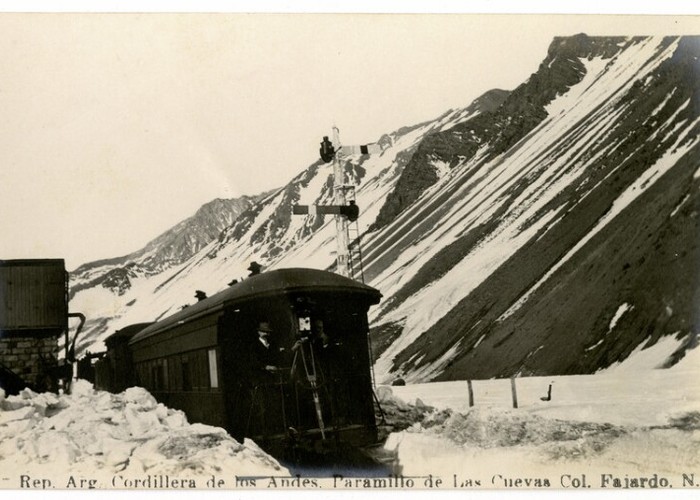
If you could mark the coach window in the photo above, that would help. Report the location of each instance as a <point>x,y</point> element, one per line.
<point>185,372</point>
<point>158,375</point>
<point>196,369</point>
<point>164,371</point>
<point>213,371</point>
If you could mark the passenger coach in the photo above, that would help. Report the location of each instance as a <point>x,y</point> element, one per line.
<point>281,357</point>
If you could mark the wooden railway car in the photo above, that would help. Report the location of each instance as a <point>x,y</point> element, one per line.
<point>281,357</point>
<point>115,371</point>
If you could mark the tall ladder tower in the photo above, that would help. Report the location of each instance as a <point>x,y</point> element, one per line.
<point>344,208</point>
<point>341,222</point>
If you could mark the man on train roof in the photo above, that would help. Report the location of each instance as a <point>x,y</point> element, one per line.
<point>254,268</point>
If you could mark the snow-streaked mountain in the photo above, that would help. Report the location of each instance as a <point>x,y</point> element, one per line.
<point>151,283</point>
<point>548,230</point>
<point>171,248</point>
<point>579,203</point>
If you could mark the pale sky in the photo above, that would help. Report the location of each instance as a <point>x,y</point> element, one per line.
<point>114,127</point>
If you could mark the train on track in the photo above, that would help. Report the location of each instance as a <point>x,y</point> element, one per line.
<point>281,357</point>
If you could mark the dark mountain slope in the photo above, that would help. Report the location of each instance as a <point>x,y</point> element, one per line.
<point>508,119</point>
<point>645,256</point>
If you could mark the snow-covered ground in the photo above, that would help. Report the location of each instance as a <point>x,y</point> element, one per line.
<point>629,422</point>
<point>115,440</point>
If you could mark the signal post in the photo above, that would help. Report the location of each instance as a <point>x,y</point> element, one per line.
<point>343,211</point>
<point>341,223</point>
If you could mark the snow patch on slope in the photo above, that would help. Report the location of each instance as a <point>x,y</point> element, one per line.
<point>426,372</point>
<point>618,314</point>
<point>644,358</point>
<point>574,97</point>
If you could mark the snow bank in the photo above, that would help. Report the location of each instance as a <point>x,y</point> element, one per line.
<point>397,415</point>
<point>490,428</point>
<point>89,432</point>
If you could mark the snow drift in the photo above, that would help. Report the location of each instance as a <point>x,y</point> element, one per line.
<point>101,434</point>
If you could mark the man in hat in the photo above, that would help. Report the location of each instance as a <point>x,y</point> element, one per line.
<point>264,351</point>
<point>266,410</point>
<point>254,268</point>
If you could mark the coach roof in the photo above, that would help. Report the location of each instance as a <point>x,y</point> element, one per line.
<point>268,284</point>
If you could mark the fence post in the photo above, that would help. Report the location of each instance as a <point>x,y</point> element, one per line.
<point>471,393</point>
<point>514,392</point>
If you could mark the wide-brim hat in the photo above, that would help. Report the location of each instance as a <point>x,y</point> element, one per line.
<point>264,326</point>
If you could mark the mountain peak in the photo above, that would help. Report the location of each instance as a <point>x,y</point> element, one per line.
<point>582,45</point>
<point>171,248</point>
<point>489,101</point>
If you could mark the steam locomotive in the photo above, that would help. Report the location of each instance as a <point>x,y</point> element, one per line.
<point>281,357</point>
